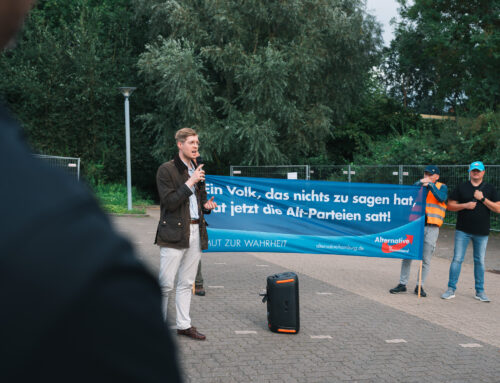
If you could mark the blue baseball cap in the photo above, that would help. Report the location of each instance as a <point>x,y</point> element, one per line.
<point>431,169</point>
<point>476,165</point>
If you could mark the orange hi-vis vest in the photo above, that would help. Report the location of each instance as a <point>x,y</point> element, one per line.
<point>434,210</point>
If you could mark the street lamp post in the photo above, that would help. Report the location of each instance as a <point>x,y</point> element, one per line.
<point>127,91</point>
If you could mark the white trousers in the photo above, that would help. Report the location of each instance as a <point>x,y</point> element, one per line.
<point>183,262</point>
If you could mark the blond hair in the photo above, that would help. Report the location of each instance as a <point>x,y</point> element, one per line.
<point>182,134</point>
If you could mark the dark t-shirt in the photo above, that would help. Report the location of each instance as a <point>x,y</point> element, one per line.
<point>76,304</point>
<point>475,221</point>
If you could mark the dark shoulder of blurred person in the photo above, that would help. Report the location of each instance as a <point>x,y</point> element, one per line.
<point>75,303</point>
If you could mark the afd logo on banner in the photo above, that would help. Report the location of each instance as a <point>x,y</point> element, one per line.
<point>296,216</point>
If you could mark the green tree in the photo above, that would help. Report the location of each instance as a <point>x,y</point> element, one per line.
<point>440,142</point>
<point>446,55</point>
<point>375,119</point>
<point>62,79</point>
<point>263,81</point>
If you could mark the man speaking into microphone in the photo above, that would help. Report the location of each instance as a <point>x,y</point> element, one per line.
<point>182,233</point>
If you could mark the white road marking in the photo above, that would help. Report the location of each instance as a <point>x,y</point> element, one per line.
<point>471,345</point>
<point>245,332</point>
<point>215,287</point>
<point>321,337</point>
<point>324,293</point>
<point>395,341</point>
<point>262,265</point>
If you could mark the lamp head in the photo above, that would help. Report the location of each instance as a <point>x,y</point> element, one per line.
<point>127,90</point>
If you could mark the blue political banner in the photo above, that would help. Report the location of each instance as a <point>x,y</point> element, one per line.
<point>297,216</point>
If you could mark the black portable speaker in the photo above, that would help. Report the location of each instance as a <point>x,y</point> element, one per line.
<point>282,297</point>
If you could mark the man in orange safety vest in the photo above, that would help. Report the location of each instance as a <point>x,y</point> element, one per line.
<point>435,210</point>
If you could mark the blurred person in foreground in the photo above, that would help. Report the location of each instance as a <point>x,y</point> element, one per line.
<point>473,200</point>
<point>76,305</point>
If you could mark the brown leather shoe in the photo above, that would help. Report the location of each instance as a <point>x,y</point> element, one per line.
<point>199,290</point>
<point>192,333</point>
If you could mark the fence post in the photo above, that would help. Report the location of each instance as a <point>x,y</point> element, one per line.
<point>78,171</point>
<point>400,174</point>
<point>349,173</point>
<point>231,171</point>
<point>308,175</point>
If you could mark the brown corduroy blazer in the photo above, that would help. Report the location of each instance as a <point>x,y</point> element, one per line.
<point>173,227</point>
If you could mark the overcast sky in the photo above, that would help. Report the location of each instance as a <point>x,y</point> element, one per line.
<point>384,11</point>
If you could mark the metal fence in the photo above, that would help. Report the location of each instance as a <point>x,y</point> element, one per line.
<point>451,175</point>
<point>301,172</point>
<point>70,165</point>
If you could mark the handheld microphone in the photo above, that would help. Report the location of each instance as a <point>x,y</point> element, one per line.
<point>199,161</point>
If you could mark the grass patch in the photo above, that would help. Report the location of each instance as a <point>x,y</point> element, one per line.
<point>114,209</point>
<point>113,199</point>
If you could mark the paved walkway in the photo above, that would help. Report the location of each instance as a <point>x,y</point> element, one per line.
<point>352,329</point>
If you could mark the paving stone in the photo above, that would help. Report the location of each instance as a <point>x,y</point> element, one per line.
<point>359,315</point>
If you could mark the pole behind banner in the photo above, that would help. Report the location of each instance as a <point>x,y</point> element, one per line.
<point>420,278</point>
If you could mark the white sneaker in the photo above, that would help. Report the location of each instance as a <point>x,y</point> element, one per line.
<point>482,297</point>
<point>450,293</point>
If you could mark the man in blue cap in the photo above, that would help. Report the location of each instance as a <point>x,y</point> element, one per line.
<point>473,200</point>
<point>435,210</point>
